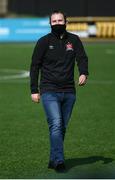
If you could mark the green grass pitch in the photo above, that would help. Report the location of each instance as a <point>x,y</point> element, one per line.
<point>90,139</point>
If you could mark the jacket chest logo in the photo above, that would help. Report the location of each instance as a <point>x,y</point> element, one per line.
<point>69,46</point>
<point>51,47</point>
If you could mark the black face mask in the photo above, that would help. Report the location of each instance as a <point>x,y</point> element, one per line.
<point>58,29</point>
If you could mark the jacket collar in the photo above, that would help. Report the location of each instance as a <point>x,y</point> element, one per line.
<point>63,36</point>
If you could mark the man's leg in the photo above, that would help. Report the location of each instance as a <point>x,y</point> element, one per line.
<point>67,107</point>
<point>52,108</point>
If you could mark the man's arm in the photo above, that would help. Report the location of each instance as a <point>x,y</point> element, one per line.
<point>82,62</point>
<point>37,58</point>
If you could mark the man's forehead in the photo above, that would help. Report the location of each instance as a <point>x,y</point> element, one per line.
<point>57,15</point>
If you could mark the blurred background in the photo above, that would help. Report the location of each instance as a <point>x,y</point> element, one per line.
<point>28,20</point>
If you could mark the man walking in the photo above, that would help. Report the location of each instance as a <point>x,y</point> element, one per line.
<point>54,57</point>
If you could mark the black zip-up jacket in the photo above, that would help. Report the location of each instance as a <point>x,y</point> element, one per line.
<point>55,58</point>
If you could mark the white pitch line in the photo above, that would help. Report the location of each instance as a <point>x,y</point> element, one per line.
<point>101,81</point>
<point>17,74</point>
<point>110,51</point>
<point>21,74</point>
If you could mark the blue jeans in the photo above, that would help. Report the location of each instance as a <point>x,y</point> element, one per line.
<point>58,108</point>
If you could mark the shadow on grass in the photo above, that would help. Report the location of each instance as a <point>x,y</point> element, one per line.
<point>86,160</point>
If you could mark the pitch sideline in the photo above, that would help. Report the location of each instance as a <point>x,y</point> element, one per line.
<point>22,74</point>
<point>8,74</point>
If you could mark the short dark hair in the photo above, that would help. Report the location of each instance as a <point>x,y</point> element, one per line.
<point>58,12</point>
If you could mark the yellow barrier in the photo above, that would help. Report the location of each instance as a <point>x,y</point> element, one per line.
<point>102,27</point>
<point>105,29</point>
<point>77,26</point>
<point>114,29</point>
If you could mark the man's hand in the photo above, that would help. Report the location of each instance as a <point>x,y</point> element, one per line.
<point>82,80</point>
<point>35,97</point>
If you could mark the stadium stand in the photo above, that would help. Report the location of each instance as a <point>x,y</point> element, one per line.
<point>3,7</point>
<point>100,27</point>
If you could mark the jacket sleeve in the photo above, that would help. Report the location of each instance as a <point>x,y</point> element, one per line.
<point>37,59</point>
<point>81,57</point>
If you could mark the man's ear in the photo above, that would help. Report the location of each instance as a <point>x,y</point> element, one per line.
<point>66,22</point>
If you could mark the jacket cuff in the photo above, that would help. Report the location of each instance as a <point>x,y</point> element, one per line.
<point>34,91</point>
